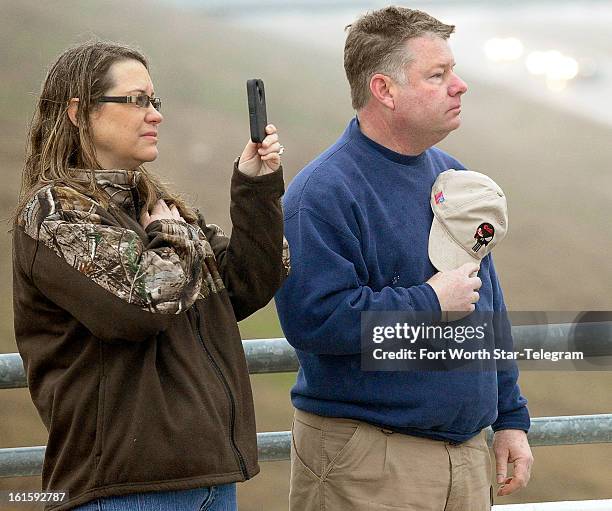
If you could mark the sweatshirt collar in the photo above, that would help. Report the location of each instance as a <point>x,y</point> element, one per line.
<point>356,134</point>
<point>120,185</point>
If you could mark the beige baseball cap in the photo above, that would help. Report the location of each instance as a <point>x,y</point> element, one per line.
<point>470,218</point>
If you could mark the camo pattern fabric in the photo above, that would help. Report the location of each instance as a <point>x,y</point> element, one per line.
<point>167,279</point>
<point>286,259</point>
<point>286,256</point>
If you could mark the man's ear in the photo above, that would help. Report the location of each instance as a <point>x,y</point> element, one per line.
<point>381,87</point>
<point>73,106</point>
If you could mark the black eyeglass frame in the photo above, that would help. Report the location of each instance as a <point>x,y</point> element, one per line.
<point>142,100</point>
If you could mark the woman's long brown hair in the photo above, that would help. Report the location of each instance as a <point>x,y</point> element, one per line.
<point>55,144</point>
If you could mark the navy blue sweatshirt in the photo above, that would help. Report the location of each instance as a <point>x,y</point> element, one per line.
<point>357,219</point>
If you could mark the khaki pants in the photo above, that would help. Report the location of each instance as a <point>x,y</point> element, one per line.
<point>348,465</point>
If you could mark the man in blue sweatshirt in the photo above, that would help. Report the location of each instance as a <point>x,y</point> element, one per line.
<point>357,219</point>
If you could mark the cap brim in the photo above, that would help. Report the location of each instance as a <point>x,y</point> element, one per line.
<point>444,253</point>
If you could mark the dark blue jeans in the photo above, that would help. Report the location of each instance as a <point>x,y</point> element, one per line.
<point>215,498</point>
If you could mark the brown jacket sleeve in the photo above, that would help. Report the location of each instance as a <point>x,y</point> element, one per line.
<point>117,282</point>
<point>254,261</point>
<point>39,274</point>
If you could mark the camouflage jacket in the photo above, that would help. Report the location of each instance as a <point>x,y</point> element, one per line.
<point>129,336</point>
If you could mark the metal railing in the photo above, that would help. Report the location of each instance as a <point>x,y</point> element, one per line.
<point>275,445</point>
<point>276,355</point>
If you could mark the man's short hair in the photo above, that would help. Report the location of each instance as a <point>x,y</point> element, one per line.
<point>376,44</point>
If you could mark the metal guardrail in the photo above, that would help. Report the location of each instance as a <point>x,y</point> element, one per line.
<point>276,445</point>
<point>277,356</point>
<point>12,374</point>
<point>28,461</point>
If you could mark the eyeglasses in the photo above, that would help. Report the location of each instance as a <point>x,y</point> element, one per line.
<point>141,100</point>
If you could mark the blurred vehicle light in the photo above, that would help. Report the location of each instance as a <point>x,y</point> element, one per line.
<point>556,85</point>
<point>537,63</point>
<point>556,67</point>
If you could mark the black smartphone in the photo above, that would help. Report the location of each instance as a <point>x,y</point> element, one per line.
<point>258,118</point>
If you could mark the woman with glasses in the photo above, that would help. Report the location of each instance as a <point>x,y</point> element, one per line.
<point>126,301</point>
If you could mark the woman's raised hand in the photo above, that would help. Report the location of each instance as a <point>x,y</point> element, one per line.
<point>264,158</point>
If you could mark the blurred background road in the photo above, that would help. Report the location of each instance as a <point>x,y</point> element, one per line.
<point>537,118</point>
